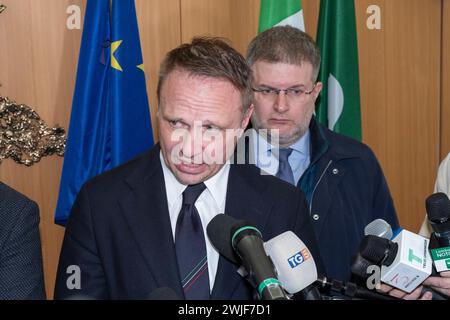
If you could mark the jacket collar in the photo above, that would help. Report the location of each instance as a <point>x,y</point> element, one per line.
<point>323,141</point>
<point>319,142</point>
<point>145,209</point>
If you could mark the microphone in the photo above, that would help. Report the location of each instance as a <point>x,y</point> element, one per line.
<point>220,237</point>
<point>438,211</point>
<point>246,241</point>
<point>404,261</point>
<point>379,228</point>
<point>163,293</point>
<point>360,267</point>
<point>297,271</point>
<point>352,290</point>
<point>379,251</point>
<point>294,265</point>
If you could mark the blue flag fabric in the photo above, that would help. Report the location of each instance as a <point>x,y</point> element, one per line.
<point>110,120</point>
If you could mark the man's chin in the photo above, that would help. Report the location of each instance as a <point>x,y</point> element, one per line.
<point>282,137</point>
<point>189,179</point>
<point>190,175</point>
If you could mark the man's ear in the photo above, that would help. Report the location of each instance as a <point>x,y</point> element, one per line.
<point>247,115</point>
<point>317,89</point>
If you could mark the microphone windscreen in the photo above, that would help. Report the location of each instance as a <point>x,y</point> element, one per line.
<point>438,207</point>
<point>359,266</point>
<point>293,261</point>
<point>219,234</point>
<point>378,250</point>
<point>379,228</point>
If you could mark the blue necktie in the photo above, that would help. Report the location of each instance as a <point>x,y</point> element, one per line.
<point>191,247</point>
<point>284,169</point>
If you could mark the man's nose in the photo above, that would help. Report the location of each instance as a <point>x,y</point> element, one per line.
<point>281,104</point>
<point>192,143</point>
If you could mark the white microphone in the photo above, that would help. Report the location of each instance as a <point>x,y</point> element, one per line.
<point>293,262</point>
<point>411,266</point>
<point>297,272</point>
<point>405,261</point>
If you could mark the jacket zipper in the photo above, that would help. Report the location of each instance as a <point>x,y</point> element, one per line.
<point>315,187</point>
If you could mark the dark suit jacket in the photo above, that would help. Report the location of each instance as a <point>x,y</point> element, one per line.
<point>119,231</point>
<point>21,275</point>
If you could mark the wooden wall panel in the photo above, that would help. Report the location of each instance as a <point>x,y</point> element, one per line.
<point>235,20</point>
<point>445,73</point>
<point>311,16</point>
<point>399,69</point>
<point>38,59</point>
<point>159,28</point>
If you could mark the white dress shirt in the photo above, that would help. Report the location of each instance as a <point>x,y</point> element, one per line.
<point>209,204</point>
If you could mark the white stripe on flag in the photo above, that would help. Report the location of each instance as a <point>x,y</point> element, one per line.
<point>335,101</point>
<point>296,20</point>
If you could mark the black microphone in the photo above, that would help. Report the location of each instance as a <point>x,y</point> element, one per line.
<point>221,238</point>
<point>360,266</point>
<point>247,246</point>
<point>373,250</point>
<point>380,251</point>
<point>438,211</point>
<point>163,293</point>
<point>351,290</point>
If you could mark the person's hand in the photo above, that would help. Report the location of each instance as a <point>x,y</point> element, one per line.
<point>415,295</point>
<point>440,284</point>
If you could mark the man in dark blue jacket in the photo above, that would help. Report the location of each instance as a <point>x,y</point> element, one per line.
<point>340,177</point>
<point>21,272</point>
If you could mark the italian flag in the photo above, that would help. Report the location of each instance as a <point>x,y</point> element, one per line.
<point>281,13</point>
<point>339,103</point>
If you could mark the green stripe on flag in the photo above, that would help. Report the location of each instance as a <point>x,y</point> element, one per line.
<point>339,103</point>
<point>274,12</point>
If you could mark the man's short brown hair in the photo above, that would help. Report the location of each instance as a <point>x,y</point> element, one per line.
<point>210,57</point>
<point>285,44</point>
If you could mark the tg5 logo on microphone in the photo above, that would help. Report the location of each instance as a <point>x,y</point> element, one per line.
<point>298,258</point>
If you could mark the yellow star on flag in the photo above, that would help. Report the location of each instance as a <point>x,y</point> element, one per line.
<point>114,63</point>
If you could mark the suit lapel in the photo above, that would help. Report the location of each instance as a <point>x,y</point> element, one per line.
<point>146,211</point>
<point>244,201</point>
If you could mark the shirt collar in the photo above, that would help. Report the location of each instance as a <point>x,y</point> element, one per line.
<point>302,145</point>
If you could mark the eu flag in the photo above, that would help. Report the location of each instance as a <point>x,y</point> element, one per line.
<point>110,120</point>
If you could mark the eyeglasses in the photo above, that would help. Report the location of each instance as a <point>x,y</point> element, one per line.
<point>291,94</point>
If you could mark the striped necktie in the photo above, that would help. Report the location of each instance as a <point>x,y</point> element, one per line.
<point>191,247</point>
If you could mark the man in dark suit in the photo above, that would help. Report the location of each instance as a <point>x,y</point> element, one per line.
<point>21,274</point>
<point>341,178</point>
<point>142,226</point>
